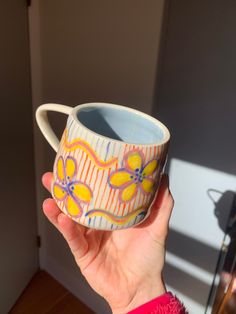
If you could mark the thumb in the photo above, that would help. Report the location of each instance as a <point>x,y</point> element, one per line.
<point>164,201</point>
<point>161,210</point>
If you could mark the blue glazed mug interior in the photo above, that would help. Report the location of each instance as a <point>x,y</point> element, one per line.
<point>123,124</point>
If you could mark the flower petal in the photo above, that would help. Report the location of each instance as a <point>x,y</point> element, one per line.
<point>150,167</point>
<point>60,169</point>
<point>73,207</point>
<point>120,178</point>
<point>81,192</point>
<point>128,193</point>
<point>71,168</point>
<point>133,160</point>
<point>58,192</point>
<point>147,185</point>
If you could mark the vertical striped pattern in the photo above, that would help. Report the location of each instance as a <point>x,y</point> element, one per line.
<point>105,197</point>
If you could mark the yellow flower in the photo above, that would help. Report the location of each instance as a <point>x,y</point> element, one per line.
<point>66,189</point>
<point>133,176</point>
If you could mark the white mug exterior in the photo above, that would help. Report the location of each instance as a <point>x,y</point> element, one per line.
<point>100,182</point>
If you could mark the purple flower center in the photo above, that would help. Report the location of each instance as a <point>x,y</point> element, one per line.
<point>138,176</point>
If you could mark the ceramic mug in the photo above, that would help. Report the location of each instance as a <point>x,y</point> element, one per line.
<point>108,164</point>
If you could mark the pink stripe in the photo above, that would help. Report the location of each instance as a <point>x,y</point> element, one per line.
<point>91,175</point>
<point>84,157</point>
<point>95,182</point>
<point>102,184</point>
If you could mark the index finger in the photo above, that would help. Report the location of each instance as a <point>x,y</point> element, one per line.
<point>47,180</point>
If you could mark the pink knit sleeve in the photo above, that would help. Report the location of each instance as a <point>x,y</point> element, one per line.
<point>164,304</point>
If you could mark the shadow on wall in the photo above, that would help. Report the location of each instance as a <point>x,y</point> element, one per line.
<point>198,253</point>
<point>195,97</point>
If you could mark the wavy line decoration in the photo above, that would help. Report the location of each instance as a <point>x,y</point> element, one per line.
<point>78,143</point>
<point>116,220</point>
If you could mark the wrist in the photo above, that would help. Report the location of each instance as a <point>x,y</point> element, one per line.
<point>144,294</point>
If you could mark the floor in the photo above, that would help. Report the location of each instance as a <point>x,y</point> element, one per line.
<point>45,295</point>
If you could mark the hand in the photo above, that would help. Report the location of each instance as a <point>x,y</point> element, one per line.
<point>125,266</point>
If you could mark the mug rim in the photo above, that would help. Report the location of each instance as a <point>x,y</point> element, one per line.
<point>166,132</point>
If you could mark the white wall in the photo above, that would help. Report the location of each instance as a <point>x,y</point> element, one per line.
<point>88,51</point>
<point>196,99</point>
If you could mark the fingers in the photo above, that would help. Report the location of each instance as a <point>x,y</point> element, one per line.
<point>161,209</point>
<point>74,236</point>
<point>51,211</point>
<point>71,231</point>
<point>163,197</point>
<point>164,201</point>
<point>47,180</point>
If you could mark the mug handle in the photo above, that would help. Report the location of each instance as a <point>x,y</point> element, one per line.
<point>44,125</point>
